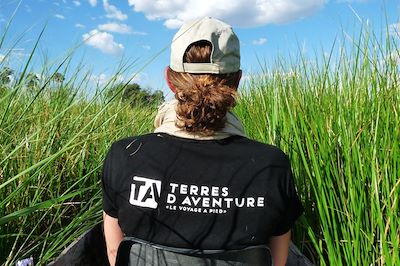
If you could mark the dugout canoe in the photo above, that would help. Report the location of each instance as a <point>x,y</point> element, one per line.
<point>90,249</point>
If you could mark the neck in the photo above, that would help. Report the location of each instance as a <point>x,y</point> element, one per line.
<point>165,122</point>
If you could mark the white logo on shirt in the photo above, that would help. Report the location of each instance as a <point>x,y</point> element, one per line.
<point>207,199</point>
<point>145,192</point>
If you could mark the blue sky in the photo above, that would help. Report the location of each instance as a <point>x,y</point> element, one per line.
<point>138,30</point>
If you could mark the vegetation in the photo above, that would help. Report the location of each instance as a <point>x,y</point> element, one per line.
<point>340,124</point>
<point>52,144</point>
<point>135,95</point>
<point>336,117</point>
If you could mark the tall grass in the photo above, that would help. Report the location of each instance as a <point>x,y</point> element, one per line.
<point>52,146</point>
<point>337,117</point>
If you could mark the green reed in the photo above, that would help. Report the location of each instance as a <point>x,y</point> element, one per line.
<point>338,120</point>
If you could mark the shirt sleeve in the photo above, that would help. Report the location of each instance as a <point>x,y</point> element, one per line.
<point>109,198</point>
<point>292,207</point>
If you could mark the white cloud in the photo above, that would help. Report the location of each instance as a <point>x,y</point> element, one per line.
<point>76,3</point>
<point>99,80</point>
<point>394,30</point>
<point>260,41</point>
<point>139,33</point>
<point>79,25</point>
<point>119,28</point>
<point>146,47</point>
<point>173,23</point>
<point>59,16</point>
<point>14,54</point>
<point>103,41</point>
<point>240,13</point>
<point>93,2</point>
<point>113,11</point>
<point>116,27</point>
<point>102,79</point>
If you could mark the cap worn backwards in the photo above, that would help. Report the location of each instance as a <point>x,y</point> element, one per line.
<point>225,56</point>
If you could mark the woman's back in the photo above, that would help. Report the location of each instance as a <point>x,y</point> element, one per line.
<point>200,194</point>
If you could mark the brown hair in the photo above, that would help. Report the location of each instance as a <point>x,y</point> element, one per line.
<point>203,99</point>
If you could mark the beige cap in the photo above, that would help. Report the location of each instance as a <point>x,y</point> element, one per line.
<point>225,56</point>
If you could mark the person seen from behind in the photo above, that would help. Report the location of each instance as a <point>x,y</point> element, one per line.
<point>197,182</point>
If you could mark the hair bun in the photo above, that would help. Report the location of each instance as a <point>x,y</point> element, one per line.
<point>203,99</point>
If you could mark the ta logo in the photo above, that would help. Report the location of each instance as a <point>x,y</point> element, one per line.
<point>145,192</point>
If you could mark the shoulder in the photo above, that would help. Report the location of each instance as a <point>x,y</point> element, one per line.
<point>270,154</point>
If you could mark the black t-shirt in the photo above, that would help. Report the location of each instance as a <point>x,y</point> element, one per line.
<point>199,194</point>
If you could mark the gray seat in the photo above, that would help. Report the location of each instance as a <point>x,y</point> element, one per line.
<point>134,253</point>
